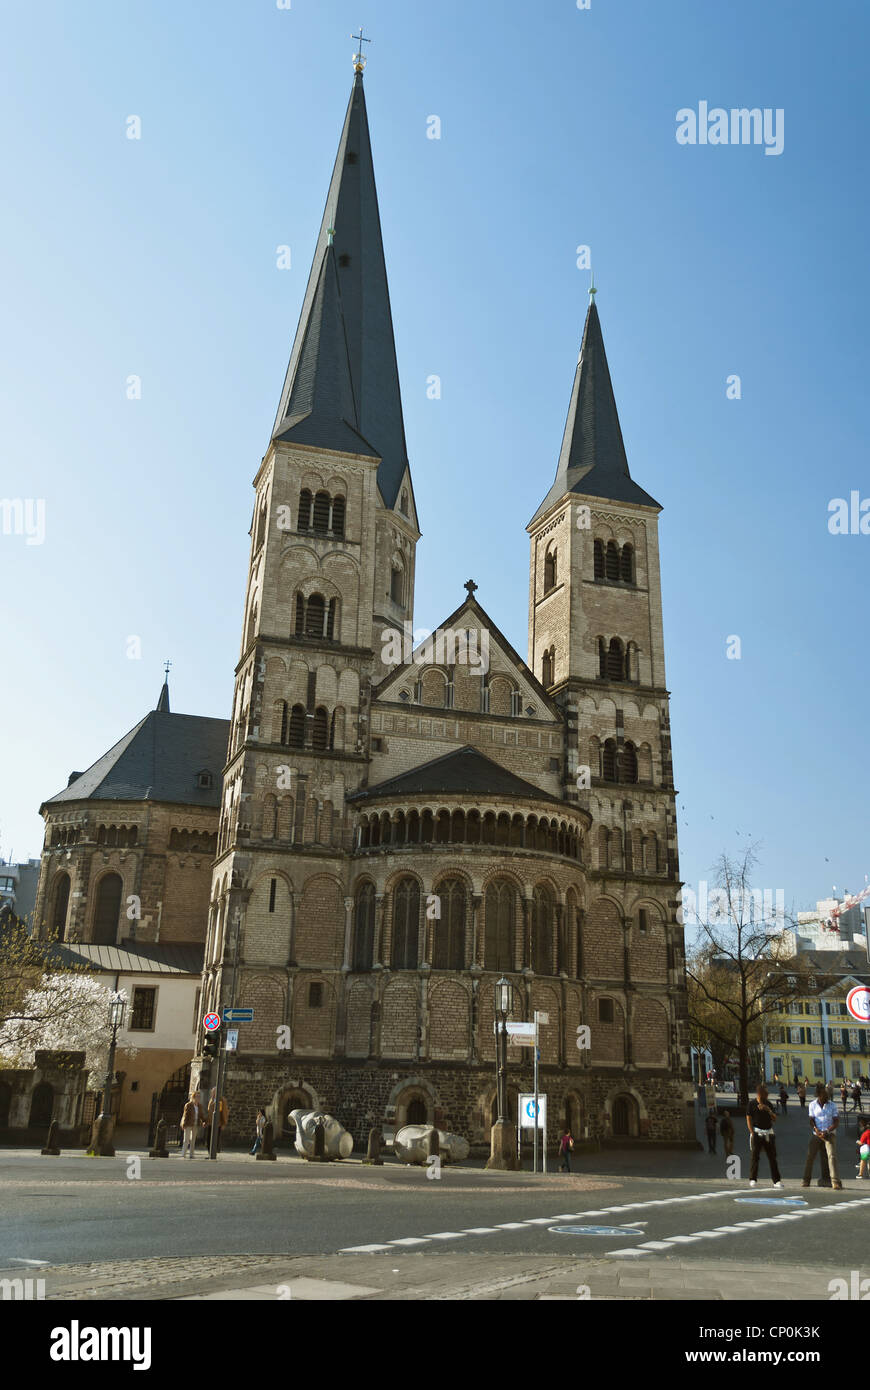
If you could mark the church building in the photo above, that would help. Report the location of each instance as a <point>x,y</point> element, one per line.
<point>399,830</point>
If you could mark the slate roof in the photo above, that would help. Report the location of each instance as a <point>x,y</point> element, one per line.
<point>462,772</point>
<point>342,389</point>
<point>133,957</point>
<point>593,462</point>
<point>158,760</point>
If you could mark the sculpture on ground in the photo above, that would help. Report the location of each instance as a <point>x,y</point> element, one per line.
<point>337,1143</point>
<point>414,1145</point>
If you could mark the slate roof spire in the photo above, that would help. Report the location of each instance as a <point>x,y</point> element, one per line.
<point>342,389</point>
<point>593,460</point>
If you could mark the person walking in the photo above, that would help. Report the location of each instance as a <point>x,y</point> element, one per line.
<point>261,1127</point>
<point>726,1129</point>
<point>801,1094</point>
<point>857,1103</point>
<point>783,1098</point>
<point>710,1124</point>
<point>843,1096</point>
<point>824,1120</point>
<point>566,1144</point>
<point>760,1121</point>
<point>189,1125</point>
<point>864,1165</point>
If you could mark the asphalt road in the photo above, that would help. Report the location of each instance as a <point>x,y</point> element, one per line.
<point>74,1209</point>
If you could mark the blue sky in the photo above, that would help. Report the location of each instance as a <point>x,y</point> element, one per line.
<point>157,258</point>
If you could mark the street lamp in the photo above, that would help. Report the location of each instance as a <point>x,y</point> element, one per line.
<point>101,1136</point>
<point>503,1139</point>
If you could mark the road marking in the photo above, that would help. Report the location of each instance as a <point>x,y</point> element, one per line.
<point>479,1231</point>
<point>741,1228</point>
<point>364,1249</point>
<point>446,1235</point>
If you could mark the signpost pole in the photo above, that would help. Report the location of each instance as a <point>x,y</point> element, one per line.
<point>537,1116</point>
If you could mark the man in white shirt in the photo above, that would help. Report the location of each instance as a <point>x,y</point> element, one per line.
<point>824,1119</point>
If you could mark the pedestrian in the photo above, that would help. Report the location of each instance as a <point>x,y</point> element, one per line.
<point>189,1125</point>
<point>710,1125</point>
<point>857,1103</point>
<point>760,1121</point>
<point>223,1116</point>
<point>843,1096</point>
<point>261,1126</point>
<point>726,1129</point>
<point>824,1120</point>
<point>566,1144</point>
<point>864,1165</point>
<point>802,1094</point>
<point>783,1098</point>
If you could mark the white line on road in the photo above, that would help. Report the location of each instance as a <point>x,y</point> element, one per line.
<point>648,1246</point>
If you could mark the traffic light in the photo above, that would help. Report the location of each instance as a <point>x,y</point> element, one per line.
<point>212,1045</point>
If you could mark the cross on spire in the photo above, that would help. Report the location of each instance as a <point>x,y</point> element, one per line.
<point>359,61</point>
<point>471,587</point>
<point>166,667</point>
<point>592,290</point>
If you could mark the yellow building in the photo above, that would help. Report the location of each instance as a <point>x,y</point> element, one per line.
<point>813,1035</point>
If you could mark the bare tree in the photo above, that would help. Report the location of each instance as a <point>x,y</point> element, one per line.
<point>735,971</point>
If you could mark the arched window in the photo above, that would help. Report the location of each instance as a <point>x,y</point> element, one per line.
<point>550,570</point>
<point>599,559</point>
<point>261,528</point>
<point>320,728</point>
<point>626,564</point>
<point>107,910</point>
<point>608,760</point>
<point>397,585</point>
<point>548,664</point>
<point>615,660</point>
<point>321,513</point>
<point>500,909</point>
<point>416,1112</point>
<point>403,504</point>
<point>364,928</point>
<point>338,516</point>
<point>406,923</point>
<point>252,623</point>
<point>303,521</point>
<point>61,904</point>
<point>629,763</point>
<point>315,615</point>
<point>448,951</point>
<point>542,931</point>
<point>612,560</point>
<point>296,731</point>
<point>625,1117</point>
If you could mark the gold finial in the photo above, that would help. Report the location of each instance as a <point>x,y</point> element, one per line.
<point>359,61</point>
<point>592,290</point>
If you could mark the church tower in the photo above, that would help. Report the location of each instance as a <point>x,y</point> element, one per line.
<point>331,567</point>
<point>596,644</point>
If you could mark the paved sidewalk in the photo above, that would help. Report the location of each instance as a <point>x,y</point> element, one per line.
<point>431,1277</point>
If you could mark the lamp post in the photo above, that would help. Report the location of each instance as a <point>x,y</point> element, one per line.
<point>503,1152</point>
<point>102,1133</point>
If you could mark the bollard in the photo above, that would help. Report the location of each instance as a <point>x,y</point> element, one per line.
<point>51,1145</point>
<point>267,1151</point>
<point>319,1155</point>
<point>160,1150</point>
<point>373,1152</point>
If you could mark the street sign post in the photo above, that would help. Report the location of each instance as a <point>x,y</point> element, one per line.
<point>529,1108</point>
<point>211,1023</point>
<point>238,1015</point>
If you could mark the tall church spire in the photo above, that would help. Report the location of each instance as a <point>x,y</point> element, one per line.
<point>341,390</point>
<point>593,461</point>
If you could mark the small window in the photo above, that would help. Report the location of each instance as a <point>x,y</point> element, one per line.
<point>530,710</point>
<point>315,996</point>
<point>404,696</point>
<point>516,703</point>
<point>377,745</point>
<point>643,921</point>
<point>554,764</point>
<point>142,1016</point>
<point>605,1011</point>
<point>396,585</point>
<point>272,887</point>
<point>403,505</point>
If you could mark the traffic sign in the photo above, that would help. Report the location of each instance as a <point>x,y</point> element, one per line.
<point>521,1030</point>
<point>211,1022</point>
<point>527,1112</point>
<point>238,1015</point>
<point>858,1003</point>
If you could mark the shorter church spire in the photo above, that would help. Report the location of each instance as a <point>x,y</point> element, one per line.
<point>163,701</point>
<point>592,461</point>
